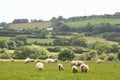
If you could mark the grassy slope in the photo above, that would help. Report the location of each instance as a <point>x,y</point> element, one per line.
<point>31,25</point>
<point>21,71</point>
<point>94,39</point>
<point>93,21</point>
<point>88,39</point>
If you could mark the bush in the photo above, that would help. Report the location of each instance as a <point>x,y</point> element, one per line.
<point>111,57</point>
<point>54,49</point>
<point>4,56</point>
<point>80,57</point>
<point>102,56</point>
<point>91,54</point>
<point>118,55</point>
<point>66,55</point>
<point>31,51</point>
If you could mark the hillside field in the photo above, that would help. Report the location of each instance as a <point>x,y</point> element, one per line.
<point>18,70</point>
<point>39,25</point>
<point>50,40</point>
<point>93,21</point>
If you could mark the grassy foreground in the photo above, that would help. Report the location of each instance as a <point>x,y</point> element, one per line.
<point>20,71</point>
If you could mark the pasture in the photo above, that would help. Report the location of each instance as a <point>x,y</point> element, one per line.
<point>81,23</point>
<point>19,71</point>
<point>39,25</point>
<point>50,40</point>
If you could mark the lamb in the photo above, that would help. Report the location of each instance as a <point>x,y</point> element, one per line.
<point>60,67</point>
<point>74,69</point>
<point>76,63</point>
<point>39,66</point>
<point>84,68</point>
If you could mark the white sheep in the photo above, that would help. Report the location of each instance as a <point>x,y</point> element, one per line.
<point>12,60</point>
<point>84,68</point>
<point>60,67</point>
<point>98,61</point>
<point>74,69</point>
<point>39,66</point>
<point>76,63</point>
<point>27,60</point>
<point>50,60</point>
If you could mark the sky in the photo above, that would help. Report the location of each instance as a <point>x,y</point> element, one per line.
<point>46,9</point>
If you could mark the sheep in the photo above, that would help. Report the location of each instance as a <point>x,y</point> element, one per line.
<point>76,63</point>
<point>12,60</point>
<point>60,67</point>
<point>99,61</point>
<point>50,60</point>
<point>84,68</point>
<point>66,61</point>
<point>79,63</point>
<point>74,69</point>
<point>28,60</point>
<point>39,66</point>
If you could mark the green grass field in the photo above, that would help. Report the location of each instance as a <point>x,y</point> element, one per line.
<point>40,40</point>
<point>21,71</point>
<point>50,40</point>
<point>93,21</point>
<point>94,39</point>
<point>39,25</point>
<point>4,38</point>
<point>29,39</point>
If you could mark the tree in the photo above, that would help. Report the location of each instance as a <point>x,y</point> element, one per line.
<point>78,39</point>
<point>12,45</point>
<point>57,42</point>
<point>55,22</point>
<point>20,21</point>
<point>20,38</point>
<point>118,55</point>
<point>32,52</point>
<point>91,54</point>
<point>103,47</point>
<point>3,44</point>
<point>64,28</point>
<point>66,54</point>
<point>53,34</point>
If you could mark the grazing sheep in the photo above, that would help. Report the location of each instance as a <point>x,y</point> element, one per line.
<point>39,66</point>
<point>12,60</point>
<point>99,61</point>
<point>76,63</point>
<point>50,60</point>
<point>66,61</point>
<point>60,67</point>
<point>79,63</point>
<point>28,60</point>
<point>74,69</point>
<point>84,68</point>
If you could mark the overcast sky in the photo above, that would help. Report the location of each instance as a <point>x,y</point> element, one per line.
<point>46,9</point>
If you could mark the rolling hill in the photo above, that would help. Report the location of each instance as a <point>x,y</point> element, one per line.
<point>93,21</point>
<point>76,24</point>
<point>30,25</point>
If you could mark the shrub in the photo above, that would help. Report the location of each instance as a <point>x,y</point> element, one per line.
<point>102,56</point>
<point>118,55</point>
<point>31,51</point>
<point>91,54</point>
<point>66,55</point>
<point>80,57</point>
<point>111,57</point>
